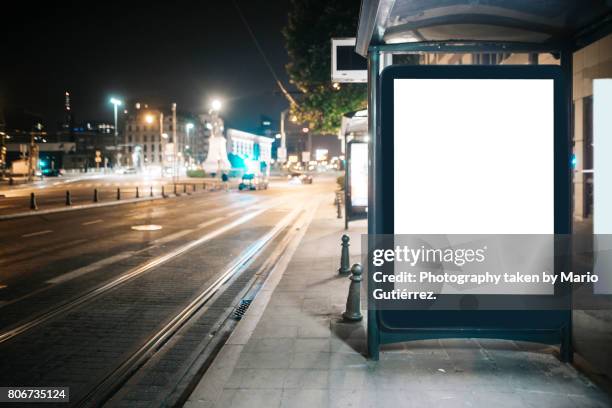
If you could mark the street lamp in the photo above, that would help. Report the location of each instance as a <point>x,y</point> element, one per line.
<point>149,119</point>
<point>216,105</point>
<point>116,103</point>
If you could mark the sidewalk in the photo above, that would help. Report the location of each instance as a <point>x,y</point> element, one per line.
<point>292,350</point>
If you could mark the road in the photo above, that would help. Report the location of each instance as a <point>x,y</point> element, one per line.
<point>82,291</point>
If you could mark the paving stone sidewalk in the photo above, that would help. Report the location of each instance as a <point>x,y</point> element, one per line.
<point>292,350</point>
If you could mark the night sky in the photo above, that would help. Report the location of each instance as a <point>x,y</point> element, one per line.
<point>182,51</point>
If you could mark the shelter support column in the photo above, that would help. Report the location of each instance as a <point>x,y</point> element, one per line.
<point>374,180</point>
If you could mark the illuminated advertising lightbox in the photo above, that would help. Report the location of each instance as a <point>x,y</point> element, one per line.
<point>359,174</point>
<point>487,168</point>
<point>472,153</point>
<point>474,156</point>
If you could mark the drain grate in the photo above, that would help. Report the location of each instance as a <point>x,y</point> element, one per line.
<point>242,308</point>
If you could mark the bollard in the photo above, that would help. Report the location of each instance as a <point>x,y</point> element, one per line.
<point>175,192</point>
<point>68,198</point>
<point>95,198</point>
<point>151,191</point>
<point>193,187</point>
<point>204,186</point>
<point>33,205</point>
<point>11,181</point>
<point>118,193</point>
<point>137,193</point>
<point>184,188</point>
<point>345,266</point>
<point>163,192</point>
<point>353,301</point>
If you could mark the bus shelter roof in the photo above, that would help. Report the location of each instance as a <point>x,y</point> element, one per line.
<point>518,24</point>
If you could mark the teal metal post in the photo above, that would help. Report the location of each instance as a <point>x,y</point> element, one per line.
<point>374,180</point>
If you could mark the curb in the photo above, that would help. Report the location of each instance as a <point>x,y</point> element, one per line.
<point>97,205</point>
<point>76,208</point>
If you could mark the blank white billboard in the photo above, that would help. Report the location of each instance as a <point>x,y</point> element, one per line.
<point>473,156</point>
<point>602,180</point>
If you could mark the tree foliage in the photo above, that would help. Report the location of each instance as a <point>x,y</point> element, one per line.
<point>311,26</point>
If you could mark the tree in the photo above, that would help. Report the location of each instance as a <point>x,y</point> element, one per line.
<point>311,26</point>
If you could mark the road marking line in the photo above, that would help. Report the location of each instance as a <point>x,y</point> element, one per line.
<point>91,267</point>
<point>92,222</point>
<point>171,237</point>
<point>210,222</point>
<point>33,234</point>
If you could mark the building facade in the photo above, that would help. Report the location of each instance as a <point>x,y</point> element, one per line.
<point>148,138</point>
<point>254,151</point>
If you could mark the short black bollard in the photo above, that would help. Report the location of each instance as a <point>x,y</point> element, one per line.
<point>353,301</point>
<point>151,191</point>
<point>175,192</point>
<point>193,188</point>
<point>184,188</point>
<point>95,198</point>
<point>11,181</point>
<point>118,194</point>
<point>204,186</point>
<point>345,266</point>
<point>137,193</point>
<point>33,205</point>
<point>163,192</point>
<point>68,198</point>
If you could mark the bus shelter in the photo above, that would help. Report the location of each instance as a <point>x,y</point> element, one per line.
<point>474,39</point>
<point>354,131</point>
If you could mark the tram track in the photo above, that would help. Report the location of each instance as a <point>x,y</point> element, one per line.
<point>105,389</point>
<point>132,273</point>
<point>134,354</point>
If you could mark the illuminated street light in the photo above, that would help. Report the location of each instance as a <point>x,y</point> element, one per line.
<point>305,130</point>
<point>116,103</point>
<point>216,105</point>
<point>278,135</point>
<point>149,119</point>
<point>189,126</point>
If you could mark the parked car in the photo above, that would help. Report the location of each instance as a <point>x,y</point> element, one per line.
<point>253,182</point>
<point>51,172</point>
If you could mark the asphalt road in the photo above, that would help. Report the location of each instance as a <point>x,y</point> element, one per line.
<point>170,248</point>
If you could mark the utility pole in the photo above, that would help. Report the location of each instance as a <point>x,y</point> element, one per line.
<point>175,142</point>
<point>31,157</point>
<point>162,142</point>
